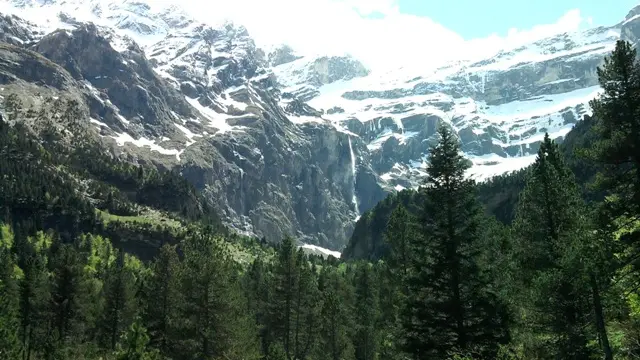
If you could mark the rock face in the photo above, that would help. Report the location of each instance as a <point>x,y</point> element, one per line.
<point>285,144</point>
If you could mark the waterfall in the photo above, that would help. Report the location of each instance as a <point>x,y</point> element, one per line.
<point>484,81</point>
<point>242,195</point>
<point>353,170</point>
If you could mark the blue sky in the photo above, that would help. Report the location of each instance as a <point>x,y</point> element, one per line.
<point>481,18</point>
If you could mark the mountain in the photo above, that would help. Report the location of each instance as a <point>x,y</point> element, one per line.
<point>499,195</point>
<point>278,142</point>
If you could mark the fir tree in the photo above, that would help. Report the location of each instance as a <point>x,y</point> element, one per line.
<point>617,151</point>
<point>119,309</point>
<point>68,294</point>
<point>398,234</point>
<point>451,305</point>
<point>258,289</point>
<point>216,324</point>
<point>335,317</point>
<point>34,293</point>
<point>163,300</point>
<point>305,309</point>
<point>617,147</point>
<point>134,344</point>
<point>285,287</point>
<point>549,226</point>
<point>9,344</point>
<point>367,314</point>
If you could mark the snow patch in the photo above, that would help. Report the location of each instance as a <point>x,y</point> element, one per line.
<point>318,249</point>
<point>123,138</point>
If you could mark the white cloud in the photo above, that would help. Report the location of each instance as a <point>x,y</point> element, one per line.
<point>374,31</point>
<point>386,40</point>
<point>570,21</point>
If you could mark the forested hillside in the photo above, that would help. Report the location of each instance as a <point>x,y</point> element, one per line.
<point>103,259</point>
<point>499,195</point>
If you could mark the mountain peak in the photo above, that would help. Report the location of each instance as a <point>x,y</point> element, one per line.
<point>284,141</point>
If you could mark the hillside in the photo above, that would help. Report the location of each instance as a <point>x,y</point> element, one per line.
<point>499,195</point>
<point>112,248</point>
<point>285,143</point>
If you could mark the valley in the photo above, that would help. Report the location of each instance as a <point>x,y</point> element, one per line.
<point>285,143</point>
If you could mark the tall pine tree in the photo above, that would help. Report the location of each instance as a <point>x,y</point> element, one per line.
<point>335,317</point>
<point>163,300</point>
<point>398,234</point>
<point>451,305</point>
<point>120,308</point>
<point>549,228</point>
<point>367,314</point>
<point>9,345</point>
<point>216,323</point>
<point>285,288</point>
<point>69,295</point>
<point>617,147</point>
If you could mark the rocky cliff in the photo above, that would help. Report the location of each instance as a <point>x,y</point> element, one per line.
<point>283,143</point>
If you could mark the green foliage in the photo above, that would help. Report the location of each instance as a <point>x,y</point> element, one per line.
<point>102,259</point>
<point>9,343</point>
<point>549,226</point>
<point>617,147</point>
<point>215,321</point>
<point>450,304</point>
<point>134,344</point>
<point>367,314</point>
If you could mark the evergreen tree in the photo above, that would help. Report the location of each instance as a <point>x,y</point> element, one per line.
<point>451,304</point>
<point>367,314</point>
<point>119,309</point>
<point>335,317</point>
<point>9,344</point>
<point>549,228</point>
<point>34,293</point>
<point>285,287</point>
<point>391,301</point>
<point>216,323</point>
<point>398,234</point>
<point>305,309</point>
<point>617,147</point>
<point>68,295</point>
<point>617,151</point>
<point>258,289</point>
<point>163,300</point>
<point>134,344</point>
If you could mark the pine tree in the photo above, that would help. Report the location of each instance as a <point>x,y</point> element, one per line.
<point>242,341</point>
<point>134,344</point>
<point>367,314</point>
<point>549,226</point>
<point>617,147</point>
<point>34,293</point>
<point>285,286</point>
<point>258,289</point>
<point>391,301</point>
<point>68,295</point>
<point>305,308</point>
<point>398,234</point>
<point>119,309</point>
<point>451,303</point>
<point>335,317</point>
<point>617,151</point>
<point>163,300</point>
<point>216,323</point>
<point>9,344</point>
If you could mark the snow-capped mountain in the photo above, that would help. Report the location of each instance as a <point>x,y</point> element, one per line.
<point>280,142</point>
<point>500,107</point>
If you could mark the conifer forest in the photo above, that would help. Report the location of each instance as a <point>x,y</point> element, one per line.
<point>103,259</point>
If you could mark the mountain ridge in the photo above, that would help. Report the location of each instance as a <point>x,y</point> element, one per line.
<point>284,144</point>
